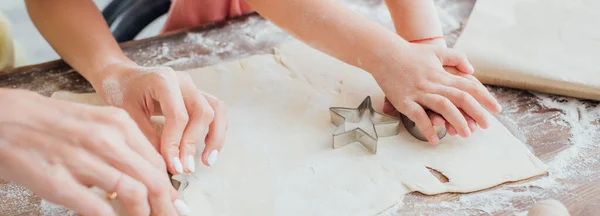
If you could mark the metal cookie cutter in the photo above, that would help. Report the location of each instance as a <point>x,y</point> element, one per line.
<point>411,127</point>
<point>179,183</point>
<point>383,125</point>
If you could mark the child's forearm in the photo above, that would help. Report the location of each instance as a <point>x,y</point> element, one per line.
<point>335,29</point>
<point>416,19</point>
<point>78,33</point>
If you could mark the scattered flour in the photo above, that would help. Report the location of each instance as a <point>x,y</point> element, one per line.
<point>566,167</point>
<point>113,91</point>
<point>51,209</point>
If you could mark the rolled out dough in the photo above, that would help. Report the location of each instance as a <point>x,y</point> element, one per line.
<point>549,46</point>
<point>278,157</point>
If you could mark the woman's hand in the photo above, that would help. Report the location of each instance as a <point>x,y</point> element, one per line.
<point>192,117</point>
<point>417,79</point>
<point>57,149</point>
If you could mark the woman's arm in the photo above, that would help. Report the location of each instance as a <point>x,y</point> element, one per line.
<point>78,33</point>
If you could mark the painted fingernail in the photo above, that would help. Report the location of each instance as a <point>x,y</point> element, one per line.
<point>472,126</point>
<point>177,165</point>
<point>435,139</point>
<point>467,131</point>
<point>191,164</point>
<point>471,68</point>
<point>212,157</point>
<point>181,207</point>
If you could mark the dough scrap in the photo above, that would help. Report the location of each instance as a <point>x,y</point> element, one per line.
<point>548,46</point>
<point>278,157</point>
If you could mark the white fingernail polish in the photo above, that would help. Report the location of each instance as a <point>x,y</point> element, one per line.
<point>212,157</point>
<point>177,165</point>
<point>191,163</point>
<point>181,207</point>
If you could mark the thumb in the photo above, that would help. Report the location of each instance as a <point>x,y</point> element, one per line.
<point>453,58</point>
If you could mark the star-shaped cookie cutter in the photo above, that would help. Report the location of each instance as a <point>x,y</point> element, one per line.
<point>383,125</point>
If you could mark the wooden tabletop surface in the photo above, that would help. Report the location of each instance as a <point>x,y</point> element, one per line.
<point>562,132</point>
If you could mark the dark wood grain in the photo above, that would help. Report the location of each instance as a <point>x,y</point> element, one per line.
<point>534,122</point>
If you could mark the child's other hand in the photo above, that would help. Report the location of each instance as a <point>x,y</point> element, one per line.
<point>415,78</point>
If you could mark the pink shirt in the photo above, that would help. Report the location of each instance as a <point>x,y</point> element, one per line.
<point>190,13</point>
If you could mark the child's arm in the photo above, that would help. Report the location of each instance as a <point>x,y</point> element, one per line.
<point>411,75</point>
<point>78,32</point>
<point>416,20</point>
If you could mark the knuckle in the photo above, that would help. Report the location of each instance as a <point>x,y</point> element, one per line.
<point>220,105</point>
<point>420,115</point>
<point>102,137</point>
<point>463,98</point>
<point>137,192</point>
<point>422,85</point>
<point>167,71</point>
<point>442,102</point>
<point>208,115</point>
<point>471,86</point>
<point>181,118</point>
<point>155,188</point>
<point>118,114</point>
<point>162,74</point>
<point>416,113</point>
<point>411,112</point>
<point>189,143</point>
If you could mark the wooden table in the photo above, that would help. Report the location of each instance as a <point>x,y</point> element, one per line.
<point>548,130</point>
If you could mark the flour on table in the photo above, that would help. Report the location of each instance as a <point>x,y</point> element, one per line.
<point>278,157</point>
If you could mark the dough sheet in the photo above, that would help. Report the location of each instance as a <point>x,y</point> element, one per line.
<point>278,157</point>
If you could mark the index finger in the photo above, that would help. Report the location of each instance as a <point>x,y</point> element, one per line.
<point>169,96</point>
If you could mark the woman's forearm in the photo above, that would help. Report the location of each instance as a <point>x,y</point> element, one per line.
<point>333,28</point>
<point>416,19</point>
<point>78,33</point>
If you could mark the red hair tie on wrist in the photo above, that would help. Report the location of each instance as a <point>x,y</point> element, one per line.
<point>426,39</point>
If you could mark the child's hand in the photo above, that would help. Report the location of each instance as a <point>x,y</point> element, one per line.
<point>437,119</point>
<point>414,78</point>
